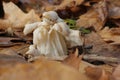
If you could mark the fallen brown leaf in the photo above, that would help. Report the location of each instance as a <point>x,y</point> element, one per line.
<point>73,60</point>
<point>104,76</point>
<point>67,3</point>
<point>14,50</point>
<point>95,17</point>
<point>89,19</point>
<point>100,47</point>
<point>102,9</point>
<point>114,11</point>
<point>14,1</point>
<point>41,70</point>
<point>83,65</point>
<point>115,2</point>
<point>16,18</point>
<point>97,73</point>
<point>19,34</point>
<point>90,2</point>
<point>7,59</point>
<point>8,41</point>
<point>116,73</point>
<point>108,68</point>
<point>111,36</point>
<point>71,9</point>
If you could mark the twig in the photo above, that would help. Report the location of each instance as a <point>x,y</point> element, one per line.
<point>101,58</point>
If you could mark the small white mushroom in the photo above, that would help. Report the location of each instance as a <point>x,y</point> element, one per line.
<point>72,36</point>
<point>75,38</point>
<point>29,28</point>
<point>52,36</point>
<point>48,42</point>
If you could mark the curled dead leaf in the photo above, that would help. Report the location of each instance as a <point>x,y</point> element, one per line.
<point>114,12</point>
<point>97,73</point>
<point>67,3</point>
<point>16,18</point>
<point>115,2</point>
<point>111,35</point>
<point>116,73</point>
<point>41,70</point>
<point>73,60</point>
<point>95,17</point>
<point>8,41</point>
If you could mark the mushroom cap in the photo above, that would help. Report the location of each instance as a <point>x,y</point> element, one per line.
<point>52,16</point>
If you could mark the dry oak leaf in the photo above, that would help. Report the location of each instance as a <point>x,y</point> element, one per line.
<point>102,9</point>
<point>65,3</point>
<point>41,70</point>
<point>83,65</point>
<point>9,59</point>
<point>97,73</point>
<point>73,60</point>
<point>15,17</point>
<point>48,5</point>
<point>114,2</point>
<point>14,50</point>
<point>8,41</point>
<point>95,17</point>
<point>88,2</point>
<point>116,73</point>
<point>100,47</point>
<point>114,11</point>
<point>111,36</point>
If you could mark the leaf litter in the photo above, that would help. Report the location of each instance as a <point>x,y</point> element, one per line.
<point>99,20</point>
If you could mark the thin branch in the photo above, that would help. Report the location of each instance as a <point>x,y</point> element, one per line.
<point>101,58</point>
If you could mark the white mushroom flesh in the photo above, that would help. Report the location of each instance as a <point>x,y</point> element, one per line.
<point>52,36</point>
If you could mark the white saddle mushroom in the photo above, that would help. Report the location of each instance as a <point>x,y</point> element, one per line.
<point>50,36</point>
